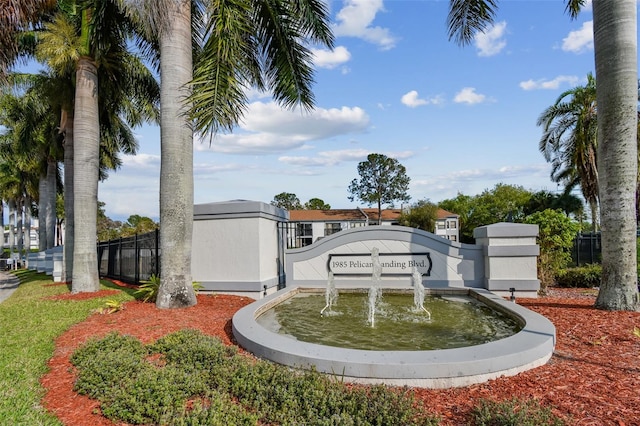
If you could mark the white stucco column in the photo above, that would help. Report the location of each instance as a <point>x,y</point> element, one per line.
<point>510,258</point>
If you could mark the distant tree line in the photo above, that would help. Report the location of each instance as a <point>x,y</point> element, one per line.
<point>290,201</point>
<point>109,229</point>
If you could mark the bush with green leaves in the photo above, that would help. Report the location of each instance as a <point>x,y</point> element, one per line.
<point>587,276</point>
<point>187,377</point>
<point>148,290</point>
<point>555,237</point>
<point>514,412</point>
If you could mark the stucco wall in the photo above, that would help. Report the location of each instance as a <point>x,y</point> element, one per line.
<point>453,264</point>
<point>235,246</point>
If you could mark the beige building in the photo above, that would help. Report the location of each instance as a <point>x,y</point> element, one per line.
<point>307,226</point>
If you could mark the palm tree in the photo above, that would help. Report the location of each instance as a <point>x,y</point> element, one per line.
<point>15,17</point>
<point>18,185</point>
<point>616,59</point>
<point>569,142</point>
<point>112,90</point>
<point>31,145</point>
<point>616,52</point>
<point>257,43</point>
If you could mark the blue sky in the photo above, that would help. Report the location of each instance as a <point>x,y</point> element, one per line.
<point>459,119</point>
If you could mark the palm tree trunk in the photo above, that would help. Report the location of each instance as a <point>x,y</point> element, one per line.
<point>176,170</point>
<point>19,226</point>
<point>615,43</point>
<point>42,207</point>
<point>12,227</point>
<point>85,190</point>
<point>593,205</point>
<point>67,254</point>
<point>27,223</point>
<point>51,182</point>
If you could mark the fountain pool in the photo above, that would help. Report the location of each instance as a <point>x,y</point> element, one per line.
<point>458,321</point>
<point>529,347</point>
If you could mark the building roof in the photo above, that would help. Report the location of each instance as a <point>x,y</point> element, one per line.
<point>337,215</point>
<point>443,214</point>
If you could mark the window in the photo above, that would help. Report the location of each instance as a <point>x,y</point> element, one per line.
<point>451,224</point>
<point>331,228</point>
<point>304,234</point>
<point>453,238</point>
<point>440,225</point>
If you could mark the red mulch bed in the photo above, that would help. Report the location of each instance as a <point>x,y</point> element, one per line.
<point>593,377</point>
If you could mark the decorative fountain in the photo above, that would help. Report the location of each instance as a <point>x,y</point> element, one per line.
<point>529,346</point>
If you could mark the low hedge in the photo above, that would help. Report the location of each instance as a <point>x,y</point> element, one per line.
<point>587,276</point>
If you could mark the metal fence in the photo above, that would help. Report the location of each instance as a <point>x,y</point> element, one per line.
<point>131,259</point>
<point>587,248</point>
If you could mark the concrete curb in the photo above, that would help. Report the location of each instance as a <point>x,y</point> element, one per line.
<point>531,347</point>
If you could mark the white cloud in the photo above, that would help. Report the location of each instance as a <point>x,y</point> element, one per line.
<point>412,100</point>
<point>332,158</point>
<point>326,158</point>
<point>579,41</point>
<point>474,181</point>
<point>268,128</point>
<point>142,161</point>
<point>133,191</point>
<point>324,58</point>
<point>469,96</point>
<point>491,42</point>
<point>569,80</point>
<point>355,20</point>
<point>207,169</point>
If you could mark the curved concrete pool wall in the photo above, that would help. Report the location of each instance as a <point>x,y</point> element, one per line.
<point>531,347</point>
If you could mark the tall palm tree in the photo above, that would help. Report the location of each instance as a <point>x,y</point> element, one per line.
<point>616,52</point>
<point>87,41</point>
<point>245,43</point>
<point>31,140</point>
<point>569,142</point>
<point>616,59</point>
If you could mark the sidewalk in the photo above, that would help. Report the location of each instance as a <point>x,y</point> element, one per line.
<point>8,284</point>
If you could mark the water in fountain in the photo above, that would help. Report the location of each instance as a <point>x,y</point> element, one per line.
<point>331,295</point>
<point>375,293</point>
<point>418,292</point>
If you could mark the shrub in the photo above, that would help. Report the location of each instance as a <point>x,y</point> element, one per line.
<point>555,238</point>
<point>514,413</point>
<point>587,276</point>
<point>148,290</point>
<point>189,378</point>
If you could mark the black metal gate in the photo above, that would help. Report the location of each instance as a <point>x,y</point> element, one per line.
<point>131,259</point>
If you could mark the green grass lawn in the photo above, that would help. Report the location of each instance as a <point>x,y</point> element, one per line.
<point>29,323</point>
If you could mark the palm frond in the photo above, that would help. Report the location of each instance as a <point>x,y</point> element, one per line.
<point>466,18</point>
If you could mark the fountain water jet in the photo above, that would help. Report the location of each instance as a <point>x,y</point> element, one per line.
<point>375,293</point>
<point>331,295</point>
<point>418,292</point>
